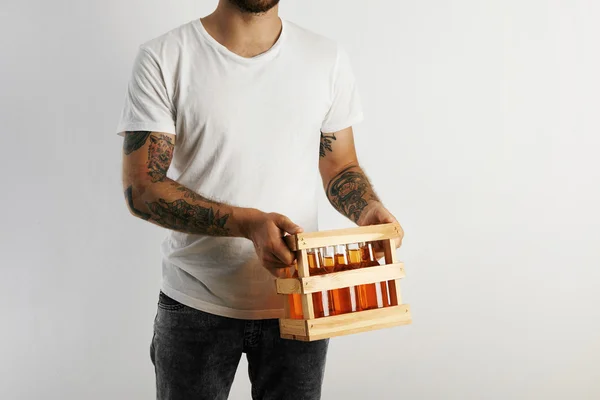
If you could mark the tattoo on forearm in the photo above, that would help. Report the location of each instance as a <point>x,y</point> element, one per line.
<point>134,140</point>
<point>135,211</point>
<point>326,141</point>
<point>349,192</point>
<point>160,154</point>
<point>179,214</point>
<point>183,216</point>
<point>189,194</point>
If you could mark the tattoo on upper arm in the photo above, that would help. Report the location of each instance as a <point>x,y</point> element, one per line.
<point>134,140</point>
<point>135,211</point>
<point>183,216</point>
<point>160,154</point>
<point>326,141</point>
<point>349,192</point>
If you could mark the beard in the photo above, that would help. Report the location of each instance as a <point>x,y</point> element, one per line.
<point>254,6</point>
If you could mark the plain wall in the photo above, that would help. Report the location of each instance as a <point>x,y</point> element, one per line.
<point>482,136</point>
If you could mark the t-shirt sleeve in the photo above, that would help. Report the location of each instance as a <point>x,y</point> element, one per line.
<point>148,106</point>
<point>346,108</point>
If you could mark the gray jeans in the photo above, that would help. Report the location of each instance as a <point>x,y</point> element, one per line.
<point>196,355</point>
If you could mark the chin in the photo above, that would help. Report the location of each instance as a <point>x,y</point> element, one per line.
<point>254,6</point>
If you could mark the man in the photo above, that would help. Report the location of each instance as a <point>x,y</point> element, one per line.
<point>222,123</point>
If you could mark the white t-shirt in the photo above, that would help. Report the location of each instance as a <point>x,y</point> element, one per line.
<point>248,134</point>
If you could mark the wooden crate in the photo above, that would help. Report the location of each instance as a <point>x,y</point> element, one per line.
<point>310,328</point>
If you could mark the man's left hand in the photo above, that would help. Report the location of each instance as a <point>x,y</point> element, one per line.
<point>374,214</point>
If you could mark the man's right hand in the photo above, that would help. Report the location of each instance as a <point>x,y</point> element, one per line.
<point>266,231</point>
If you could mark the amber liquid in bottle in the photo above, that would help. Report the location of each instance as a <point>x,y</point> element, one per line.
<point>295,302</point>
<point>366,295</point>
<point>369,260</point>
<point>341,299</point>
<point>314,266</point>
<point>328,266</point>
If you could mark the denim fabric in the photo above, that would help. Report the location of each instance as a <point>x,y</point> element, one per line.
<point>196,355</point>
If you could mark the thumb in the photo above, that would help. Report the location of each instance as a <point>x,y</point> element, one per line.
<point>287,225</point>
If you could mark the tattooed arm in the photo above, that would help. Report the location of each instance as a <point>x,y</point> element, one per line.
<point>348,188</point>
<point>151,196</point>
<point>346,184</point>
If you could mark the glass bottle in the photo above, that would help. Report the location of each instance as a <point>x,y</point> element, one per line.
<point>294,299</point>
<point>328,266</point>
<point>314,268</point>
<point>368,259</point>
<point>366,295</point>
<point>341,299</point>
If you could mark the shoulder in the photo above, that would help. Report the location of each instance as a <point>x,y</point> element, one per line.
<point>313,45</point>
<point>171,43</point>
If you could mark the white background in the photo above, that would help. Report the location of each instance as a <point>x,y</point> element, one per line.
<point>482,136</point>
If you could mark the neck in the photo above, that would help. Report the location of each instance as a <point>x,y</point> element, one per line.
<point>242,33</point>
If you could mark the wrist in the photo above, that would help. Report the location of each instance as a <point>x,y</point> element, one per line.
<point>363,220</point>
<point>244,218</point>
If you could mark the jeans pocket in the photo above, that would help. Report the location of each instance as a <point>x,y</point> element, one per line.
<point>169,304</point>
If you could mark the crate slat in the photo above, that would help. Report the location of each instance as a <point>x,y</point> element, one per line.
<point>346,324</point>
<point>290,337</point>
<point>288,285</point>
<point>293,327</point>
<point>336,280</point>
<point>311,240</point>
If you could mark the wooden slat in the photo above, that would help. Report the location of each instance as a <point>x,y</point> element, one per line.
<point>338,280</point>
<point>296,327</point>
<point>389,249</point>
<point>311,240</point>
<point>362,321</point>
<point>308,310</point>
<point>288,285</point>
<point>293,337</point>
<point>376,319</point>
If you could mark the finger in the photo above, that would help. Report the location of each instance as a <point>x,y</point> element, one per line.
<point>282,253</point>
<point>272,261</point>
<point>274,266</point>
<point>287,225</point>
<point>398,242</point>
<point>378,246</point>
<point>278,272</point>
<point>378,255</point>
